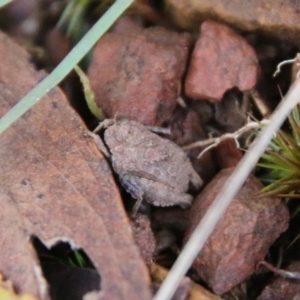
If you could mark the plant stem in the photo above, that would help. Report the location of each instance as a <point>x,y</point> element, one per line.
<point>4,2</point>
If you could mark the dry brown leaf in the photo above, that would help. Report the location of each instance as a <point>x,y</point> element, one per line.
<point>55,184</point>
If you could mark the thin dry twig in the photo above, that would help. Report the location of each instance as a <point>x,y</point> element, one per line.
<point>159,130</point>
<point>283,63</point>
<point>225,196</point>
<point>99,143</point>
<point>214,142</point>
<point>281,272</point>
<point>260,104</point>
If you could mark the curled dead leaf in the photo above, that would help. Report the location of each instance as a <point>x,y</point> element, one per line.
<point>56,185</point>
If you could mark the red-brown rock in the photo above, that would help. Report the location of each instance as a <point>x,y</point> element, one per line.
<point>186,128</point>
<point>144,237</point>
<point>172,218</point>
<point>137,74</point>
<point>241,238</point>
<point>220,61</point>
<point>57,46</point>
<point>283,288</point>
<point>227,154</point>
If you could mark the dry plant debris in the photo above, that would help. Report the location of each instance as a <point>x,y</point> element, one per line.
<point>55,184</point>
<point>7,292</point>
<point>64,162</point>
<point>195,291</point>
<point>282,287</point>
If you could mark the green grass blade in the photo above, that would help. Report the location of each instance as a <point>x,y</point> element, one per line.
<point>294,119</point>
<point>288,146</point>
<point>4,2</point>
<point>89,95</point>
<point>276,161</point>
<point>293,241</point>
<point>287,143</point>
<point>77,17</point>
<point>278,184</point>
<point>65,14</point>
<point>67,65</point>
<point>273,146</point>
<point>271,166</point>
<point>79,259</point>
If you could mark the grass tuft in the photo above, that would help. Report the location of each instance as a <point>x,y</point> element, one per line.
<point>282,162</point>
